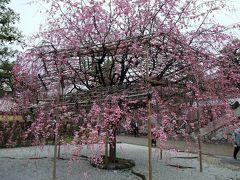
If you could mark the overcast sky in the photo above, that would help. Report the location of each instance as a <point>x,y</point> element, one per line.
<point>31,16</point>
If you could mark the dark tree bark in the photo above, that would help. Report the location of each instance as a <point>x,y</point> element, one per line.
<point>112,155</point>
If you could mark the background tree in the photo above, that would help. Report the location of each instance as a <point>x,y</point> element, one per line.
<point>231,58</point>
<point>9,35</point>
<point>6,84</point>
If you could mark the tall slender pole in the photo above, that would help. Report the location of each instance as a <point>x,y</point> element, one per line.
<point>149,144</point>
<point>199,134</point>
<point>199,139</point>
<point>59,94</point>
<point>55,153</point>
<point>149,120</point>
<point>161,150</point>
<point>200,152</point>
<point>55,141</point>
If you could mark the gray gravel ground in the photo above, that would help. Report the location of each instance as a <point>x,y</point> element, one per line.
<point>34,163</point>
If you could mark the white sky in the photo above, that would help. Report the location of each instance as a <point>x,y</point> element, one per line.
<point>32,15</point>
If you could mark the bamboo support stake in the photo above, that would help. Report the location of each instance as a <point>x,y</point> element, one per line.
<point>149,120</point>
<point>149,144</point>
<point>199,139</point>
<point>161,150</point>
<point>55,153</point>
<point>200,153</point>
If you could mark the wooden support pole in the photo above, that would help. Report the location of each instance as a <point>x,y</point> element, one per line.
<point>55,153</point>
<point>59,95</point>
<point>149,120</point>
<point>200,152</point>
<point>199,138</point>
<point>149,144</point>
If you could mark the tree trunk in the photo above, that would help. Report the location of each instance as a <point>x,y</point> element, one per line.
<point>59,149</point>
<point>112,155</point>
<point>106,151</point>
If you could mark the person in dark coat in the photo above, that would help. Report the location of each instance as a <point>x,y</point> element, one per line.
<point>134,126</point>
<point>154,142</point>
<point>236,137</point>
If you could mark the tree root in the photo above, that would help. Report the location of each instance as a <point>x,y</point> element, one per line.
<point>182,157</point>
<point>31,158</point>
<point>180,166</point>
<point>142,176</point>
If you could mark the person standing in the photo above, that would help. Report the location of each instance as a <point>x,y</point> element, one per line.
<point>154,142</point>
<point>136,129</point>
<point>236,137</point>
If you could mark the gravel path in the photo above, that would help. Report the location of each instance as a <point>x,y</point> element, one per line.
<point>35,163</point>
